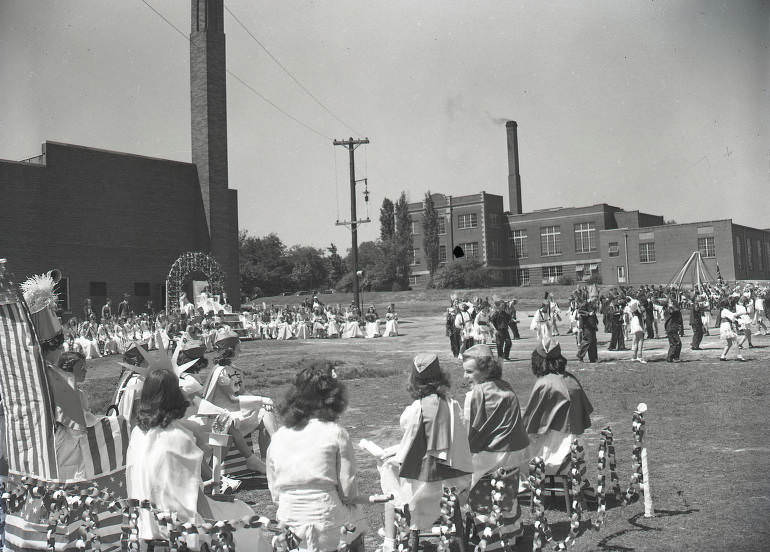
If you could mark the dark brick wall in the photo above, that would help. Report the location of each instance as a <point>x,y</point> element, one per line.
<point>100,216</point>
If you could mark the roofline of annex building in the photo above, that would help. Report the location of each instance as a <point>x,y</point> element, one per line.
<point>97,150</point>
<point>456,201</point>
<point>648,228</point>
<point>551,210</point>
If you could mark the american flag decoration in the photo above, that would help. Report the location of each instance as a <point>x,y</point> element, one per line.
<point>34,521</point>
<point>27,400</point>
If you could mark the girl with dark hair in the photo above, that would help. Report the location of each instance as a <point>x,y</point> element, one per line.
<point>498,442</point>
<point>163,464</point>
<point>434,449</point>
<point>311,465</point>
<point>558,409</point>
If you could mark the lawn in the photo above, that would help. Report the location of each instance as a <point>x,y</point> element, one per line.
<point>707,430</point>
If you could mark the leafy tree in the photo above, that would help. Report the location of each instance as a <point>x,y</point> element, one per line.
<point>387,221</point>
<point>308,267</point>
<point>403,246</point>
<point>335,266</point>
<point>262,264</point>
<point>430,239</point>
<point>463,273</point>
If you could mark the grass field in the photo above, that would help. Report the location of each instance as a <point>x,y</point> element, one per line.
<point>707,426</point>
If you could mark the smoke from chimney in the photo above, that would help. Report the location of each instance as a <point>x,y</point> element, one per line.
<point>514,178</point>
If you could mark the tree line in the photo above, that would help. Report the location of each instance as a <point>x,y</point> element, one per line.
<point>268,267</point>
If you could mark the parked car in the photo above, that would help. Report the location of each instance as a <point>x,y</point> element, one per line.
<point>328,291</point>
<point>302,292</point>
<point>285,293</point>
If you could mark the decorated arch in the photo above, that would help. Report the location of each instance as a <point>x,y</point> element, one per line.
<point>188,263</point>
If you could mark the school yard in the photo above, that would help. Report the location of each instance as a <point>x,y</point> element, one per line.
<point>708,433</point>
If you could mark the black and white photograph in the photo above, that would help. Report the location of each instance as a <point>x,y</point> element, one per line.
<point>347,276</point>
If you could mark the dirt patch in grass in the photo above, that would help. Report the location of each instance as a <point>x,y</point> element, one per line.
<point>707,431</point>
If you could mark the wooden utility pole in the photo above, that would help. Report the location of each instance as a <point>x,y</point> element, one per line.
<point>351,145</point>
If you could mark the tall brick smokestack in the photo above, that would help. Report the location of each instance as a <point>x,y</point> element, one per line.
<point>208,103</point>
<point>514,178</point>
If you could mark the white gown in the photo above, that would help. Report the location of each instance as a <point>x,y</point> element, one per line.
<point>391,325</point>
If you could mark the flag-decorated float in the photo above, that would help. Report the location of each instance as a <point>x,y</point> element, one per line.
<point>75,480</point>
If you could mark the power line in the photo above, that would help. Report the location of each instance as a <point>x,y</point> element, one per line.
<point>239,79</point>
<point>291,75</point>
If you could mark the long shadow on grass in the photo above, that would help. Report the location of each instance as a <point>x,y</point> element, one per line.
<point>634,520</point>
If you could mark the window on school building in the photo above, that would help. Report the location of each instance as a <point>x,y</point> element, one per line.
<point>415,226</point>
<point>441,225</point>
<point>760,261</point>
<point>97,289</point>
<point>142,289</point>
<point>749,259</point>
<point>621,274</point>
<point>494,249</point>
<point>62,290</point>
<point>519,242</point>
<point>469,220</point>
<point>414,279</point>
<point>521,277</point>
<point>442,253</point>
<point>585,237</point>
<point>647,252</point>
<point>706,247</point>
<point>470,249</point>
<point>415,259</point>
<point>550,241</point>
<point>738,256</point>
<point>613,249</point>
<point>551,274</point>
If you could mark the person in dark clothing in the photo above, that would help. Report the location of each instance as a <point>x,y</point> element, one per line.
<point>452,332</point>
<point>673,323</point>
<point>500,320</point>
<point>514,324</point>
<point>696,322</point>
<point>588,324</point>
<point>124,309</point>
<point>616,325</point>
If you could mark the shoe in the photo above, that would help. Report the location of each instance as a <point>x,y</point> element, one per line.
<point>722,358</point>
<point>642,361</point>
<point>741,358</point>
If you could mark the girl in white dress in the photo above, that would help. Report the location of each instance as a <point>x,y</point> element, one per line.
<point>311,464</point>
<point>372,323</point>
<point>351,328</point>
<point>727,322</point>
<point>636,329</point>
<point>391,322</point>
<point>283,328</point>
<point>332,326</point>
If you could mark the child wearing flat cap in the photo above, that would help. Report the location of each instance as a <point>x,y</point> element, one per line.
<point>558,409</point>
<point>434,448</point>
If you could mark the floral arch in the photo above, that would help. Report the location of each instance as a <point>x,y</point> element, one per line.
<point>186,264</point>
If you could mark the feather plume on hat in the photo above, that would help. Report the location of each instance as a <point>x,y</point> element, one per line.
<point>39,293</point>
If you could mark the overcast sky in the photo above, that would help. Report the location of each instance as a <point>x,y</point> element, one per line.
<point>658,106</point>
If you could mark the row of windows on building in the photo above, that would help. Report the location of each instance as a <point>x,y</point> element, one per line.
<point>751,250</point>
<point>550,240</point>
<point>98,291</point>
<point>465,221</point>
<point>553,274</point>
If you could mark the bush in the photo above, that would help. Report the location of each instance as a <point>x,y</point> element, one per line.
<point>396,287</point>
<point>565,280</point>
<point>465,273</point>
<point>595,279</point>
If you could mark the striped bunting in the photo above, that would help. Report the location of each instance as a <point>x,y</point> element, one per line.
<point>107,443</point>
<point>234,464</point>
<point>26,530</point>
<point>27,401</point>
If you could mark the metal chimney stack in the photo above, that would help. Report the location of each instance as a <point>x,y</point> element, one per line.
<point>514,178</point>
